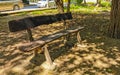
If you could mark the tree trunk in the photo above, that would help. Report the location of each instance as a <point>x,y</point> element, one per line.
<point>60,6</point>
<point>68,6</point>
<point>98,3</point>
<point>84,1</point>
<point>114,28</point>
<point>47,3</point>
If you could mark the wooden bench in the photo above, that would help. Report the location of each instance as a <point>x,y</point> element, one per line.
<point>31,22</point>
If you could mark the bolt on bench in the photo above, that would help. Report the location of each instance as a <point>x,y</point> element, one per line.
<point>31,22</point>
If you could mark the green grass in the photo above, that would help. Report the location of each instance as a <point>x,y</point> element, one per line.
<point>105,4</point>
<point>47,11</point>
<point>89,8</point>
<point>38,12</point>
<point>82,8</point>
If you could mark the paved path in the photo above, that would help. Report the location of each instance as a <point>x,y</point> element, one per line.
<point>27,8</point>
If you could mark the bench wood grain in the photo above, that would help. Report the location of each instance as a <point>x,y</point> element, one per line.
<point>46,39</point>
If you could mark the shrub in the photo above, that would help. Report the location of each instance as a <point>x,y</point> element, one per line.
<point>105,4</point>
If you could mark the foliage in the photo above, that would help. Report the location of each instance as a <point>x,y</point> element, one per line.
<point>88,8</point>
<point>105,4</point>
<point>79,1</point>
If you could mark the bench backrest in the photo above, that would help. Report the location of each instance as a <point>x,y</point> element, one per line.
<point>31,22</point>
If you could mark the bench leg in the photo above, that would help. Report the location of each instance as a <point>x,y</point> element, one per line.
<point>47,55</point>
<point>79,38</point>
<point>64,40</point>
<point>36,52</point>
<point>80,44</point>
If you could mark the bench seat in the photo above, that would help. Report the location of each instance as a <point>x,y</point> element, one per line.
<point>46,39</point>
<point>31,22</point>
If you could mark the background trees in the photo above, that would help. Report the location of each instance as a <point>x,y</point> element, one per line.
<point>60,6</point>
<point>84,1</point>
<point>98,3</point>
<point>68,6</point>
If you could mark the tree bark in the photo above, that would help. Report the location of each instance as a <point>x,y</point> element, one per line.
<point>60,6</point>
<point>47,3</point>
<point>84,1</point>
<point>114,28</point>
<point>68,6</point>
<point>98,3</point>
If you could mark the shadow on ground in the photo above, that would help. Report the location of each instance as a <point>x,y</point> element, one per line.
<point>101,56</point>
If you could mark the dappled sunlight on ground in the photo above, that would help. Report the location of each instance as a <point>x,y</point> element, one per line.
<point>100,56</point>
<point>89,60</point>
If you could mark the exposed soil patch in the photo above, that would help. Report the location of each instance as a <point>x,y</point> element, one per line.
<point>101,56</point>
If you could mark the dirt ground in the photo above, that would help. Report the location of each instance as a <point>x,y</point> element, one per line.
<point>100,56</point>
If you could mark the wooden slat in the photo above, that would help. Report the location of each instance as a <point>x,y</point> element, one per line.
<point>18,25</point>
<point>27,47</point>
<point>44,40</point>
